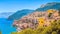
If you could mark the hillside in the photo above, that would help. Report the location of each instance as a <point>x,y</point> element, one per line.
<point>53,5</point>
<point>3,15</point>
<point>36,19</point>
<point>19,14</point>
<point>44,20</point>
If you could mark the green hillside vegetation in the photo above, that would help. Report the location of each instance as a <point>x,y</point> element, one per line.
<point>54,28</point>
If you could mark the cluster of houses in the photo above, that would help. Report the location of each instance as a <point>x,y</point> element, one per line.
<point>38,18</point>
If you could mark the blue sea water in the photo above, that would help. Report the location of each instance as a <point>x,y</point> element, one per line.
<point>6,26</point>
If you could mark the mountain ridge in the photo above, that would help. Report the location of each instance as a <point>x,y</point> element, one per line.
<point>5,14</point>
<point>53,5</point>
<point>20,13</point>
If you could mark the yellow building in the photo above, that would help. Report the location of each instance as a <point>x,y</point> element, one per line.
<point>51,11</point>
<point>41,21</point>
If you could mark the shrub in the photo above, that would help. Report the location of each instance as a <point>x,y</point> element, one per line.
<point>54,28</point>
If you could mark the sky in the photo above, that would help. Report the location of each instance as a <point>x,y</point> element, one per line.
<point>15,5</point>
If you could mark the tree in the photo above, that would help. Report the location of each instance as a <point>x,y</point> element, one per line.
<point>54,32</point>
<point>49,15</point>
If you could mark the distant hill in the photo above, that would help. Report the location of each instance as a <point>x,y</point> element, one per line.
<point>53,5</point>
<point>5,14</point>
<point>19,14</point>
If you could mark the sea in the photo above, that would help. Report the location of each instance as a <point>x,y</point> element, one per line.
<point>6,26</point>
